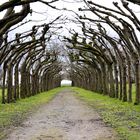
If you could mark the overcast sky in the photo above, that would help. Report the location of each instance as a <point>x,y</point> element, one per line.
<point>45,13</point>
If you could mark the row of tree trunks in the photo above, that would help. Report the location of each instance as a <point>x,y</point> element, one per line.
<point>22,68</point>
<point>29,85</point>
<point>115,60</point>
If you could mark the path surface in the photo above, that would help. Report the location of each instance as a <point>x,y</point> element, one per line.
<point>64,118</point>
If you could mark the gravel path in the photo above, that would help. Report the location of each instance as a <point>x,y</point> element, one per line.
<point>64,118</point>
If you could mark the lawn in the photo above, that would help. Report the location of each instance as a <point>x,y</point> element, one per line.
<point>13,114</point>
<point>0,95</point>
<point>133,92</point>
<point>123,116</point>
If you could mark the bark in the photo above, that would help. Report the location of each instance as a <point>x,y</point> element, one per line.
<point>134,1</point>
<point>28,84</point>
<point>99,82</point>
<point>124,85</point>
<point>33,84</point>
<point>16,85</point>
<point>129,82</point>
<point>23,89</point>
<point>137,80</point>
<point>73,83</point>
<point>116,81</point>
<point>111,82</point>
<point>3,85</point>
<point>104,79</point>
<point>24,12</point>
<point>121,83</point>
<point>10,84</point>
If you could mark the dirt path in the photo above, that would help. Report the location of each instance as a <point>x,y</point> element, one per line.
<point>64,118</point>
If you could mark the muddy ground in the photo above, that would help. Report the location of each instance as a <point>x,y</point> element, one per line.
<point>64,118</point>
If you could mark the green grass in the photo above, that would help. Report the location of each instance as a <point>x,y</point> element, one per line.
<point>14,113</point>
<point>123,116</point>
<point>0,95</point>
<point>133,92</point>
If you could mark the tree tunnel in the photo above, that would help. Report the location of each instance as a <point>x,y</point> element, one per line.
<point>100,53</point>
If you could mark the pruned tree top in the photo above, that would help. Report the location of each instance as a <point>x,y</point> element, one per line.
<point>135,1</point>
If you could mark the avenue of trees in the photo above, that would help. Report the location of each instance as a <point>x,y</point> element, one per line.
<point>107,63</point>
<point>101,62</point>
<point>28,65</point>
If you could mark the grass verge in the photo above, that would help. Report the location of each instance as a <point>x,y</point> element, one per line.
<point>13,114</point>
<point>123,116</point>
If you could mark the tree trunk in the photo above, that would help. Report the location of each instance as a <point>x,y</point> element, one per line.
<point>124,85</point>
<point>129,82</point>
<point>121,83</point>
<point>23,82</point>
<point>33,84</point>
<point>111,82</point>
<point>116,81</point>
<point>104,74</point>
<point>100,82</point>
<point>137,79</point>
<point>3,86</point>
<point>10,84</point>
<point>72,84</point>
<point>16,86</point>
<point>28,84</point>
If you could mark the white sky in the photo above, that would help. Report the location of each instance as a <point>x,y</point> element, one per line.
<point>66,82</point>
<point>50,14</point>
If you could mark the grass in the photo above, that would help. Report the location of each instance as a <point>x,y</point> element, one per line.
<point>0,94</point>
<point>14,113</point>
<point>123,116</point>
<point>133,92</point>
